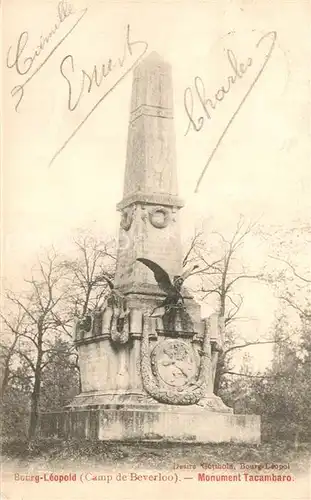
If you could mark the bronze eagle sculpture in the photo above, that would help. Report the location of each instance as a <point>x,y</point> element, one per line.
<point>172,288</point>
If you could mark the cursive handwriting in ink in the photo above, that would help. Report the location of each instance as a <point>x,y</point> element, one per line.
<point>209,105</point>
<point>23,62</point>
<point>96,77</point>
<point>87,80</point>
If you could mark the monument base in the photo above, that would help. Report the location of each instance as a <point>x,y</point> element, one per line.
<point>140,419</point>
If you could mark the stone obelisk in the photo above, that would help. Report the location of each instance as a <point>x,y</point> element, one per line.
<point>150,205</point>
<point>146,375</point>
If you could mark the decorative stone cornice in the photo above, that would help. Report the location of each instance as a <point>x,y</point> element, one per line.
<point>151,199</point>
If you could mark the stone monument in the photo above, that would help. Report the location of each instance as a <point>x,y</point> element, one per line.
<point>147,360</point>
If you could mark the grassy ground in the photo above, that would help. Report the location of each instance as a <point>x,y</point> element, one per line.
<point>61,454</point>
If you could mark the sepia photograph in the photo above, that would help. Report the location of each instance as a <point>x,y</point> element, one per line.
<point>156,250</point>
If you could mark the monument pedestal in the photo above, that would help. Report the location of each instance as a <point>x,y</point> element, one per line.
<point>126,386</point>
<point>131,417</point>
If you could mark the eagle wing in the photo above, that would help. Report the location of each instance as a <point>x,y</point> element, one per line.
<point>161,276</point>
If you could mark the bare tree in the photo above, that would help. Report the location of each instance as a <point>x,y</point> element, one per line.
<point>36,320</point>
<point>85,273</point>
<point>293,287</point>
<point>220,270</point>
<point>94,260</point>
<point>39,321</point>
<point>12,331</point>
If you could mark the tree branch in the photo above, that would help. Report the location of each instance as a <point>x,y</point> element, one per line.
<point>247,344</point>
<point>306,280</point>
<point>295,306</point>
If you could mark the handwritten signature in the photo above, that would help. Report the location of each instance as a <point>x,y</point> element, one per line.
<point>87,80</point>
<point>208,105</point>
<point>23,61</point>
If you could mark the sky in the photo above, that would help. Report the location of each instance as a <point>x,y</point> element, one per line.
<point>260,169</point>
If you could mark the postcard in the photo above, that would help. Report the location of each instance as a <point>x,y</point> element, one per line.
<point>155,291</point>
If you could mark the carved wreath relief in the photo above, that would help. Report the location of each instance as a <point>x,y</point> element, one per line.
<point>159,217</point>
